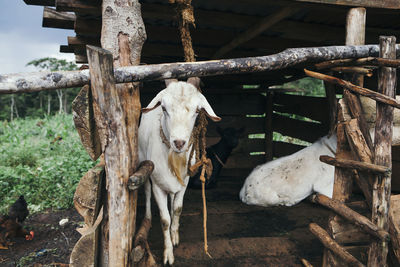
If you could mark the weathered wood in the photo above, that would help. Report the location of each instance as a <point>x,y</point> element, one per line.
<point>306,263</point>
<point>32,82</point>
<point>40,2</point>
<point>86,197</point>
<point>141,175</point>
<point>330,244</point>
<point>257,29</point>
<point>353,164</point>
<point>85,7</point>
<point>383,151</point>
<point>351,215</point>
<point>87,26</point>
<point>391,4</point>
<point>55,19</point>
<point>394,225</point>
<point>85,124</point>
<point>373,61</point>
<point>330,93</point>
<point>123,34</point>
<point>345,232</point>
<point>269,138</point>
<point>356,70</point>
<point>356,89</point>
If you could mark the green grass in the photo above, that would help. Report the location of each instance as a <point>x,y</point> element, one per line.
<point>33,164</point>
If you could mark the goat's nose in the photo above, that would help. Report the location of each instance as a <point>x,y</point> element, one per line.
<point>179,144</point>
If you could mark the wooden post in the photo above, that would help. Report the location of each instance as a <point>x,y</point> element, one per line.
<point>383,151</point>
<point>342,189</point>
<point>332,104</point>
<point>123,34</point>
<point>269,135</point>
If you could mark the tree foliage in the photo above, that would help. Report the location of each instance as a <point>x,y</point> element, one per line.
<point>38,104</point>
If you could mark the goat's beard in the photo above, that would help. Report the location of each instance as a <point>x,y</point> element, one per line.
<point>178,165</point>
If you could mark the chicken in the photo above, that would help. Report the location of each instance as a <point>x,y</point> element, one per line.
<point>10,228</point>
<point>19,210</point>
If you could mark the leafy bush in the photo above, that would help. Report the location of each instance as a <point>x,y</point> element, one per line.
<point>42,159</point>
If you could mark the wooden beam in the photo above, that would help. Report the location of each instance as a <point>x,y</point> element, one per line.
<point>79,6</point>
<point>55,19</point>
<point>352,216</point>
<point>330,244</point>
<point>88,27</point>
<point>374,61</point>
<point>40,2</point>
<point>256,30</point>
<point>80,41</point>
<point>380,98</point>
<point>391,4</point>
<point>31,82</point>
<point>353,164</point>
<point>383,151</point>
<point>66,49</point>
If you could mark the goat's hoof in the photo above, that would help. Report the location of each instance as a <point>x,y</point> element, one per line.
<point>175,237</point>
<point>169,256</point>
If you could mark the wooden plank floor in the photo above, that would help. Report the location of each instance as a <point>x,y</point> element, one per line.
<point>238,234</point>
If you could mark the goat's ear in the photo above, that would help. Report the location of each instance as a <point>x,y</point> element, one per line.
<point>195,81</point>
<point>168,81</point>
<point>154,103</point>
<point>208,109</point>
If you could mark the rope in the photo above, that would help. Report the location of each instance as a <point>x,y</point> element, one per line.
<point>185,15</point>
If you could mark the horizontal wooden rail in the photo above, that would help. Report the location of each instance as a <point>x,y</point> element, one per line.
<point>354,88</point>
<point>353,164</point>
<point>368,61</point>
<point>38,81</point>
<point>352,216</point>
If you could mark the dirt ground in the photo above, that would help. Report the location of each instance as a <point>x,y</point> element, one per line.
<point>238,235</point>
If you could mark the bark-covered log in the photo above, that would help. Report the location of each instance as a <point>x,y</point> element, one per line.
<point>141,175</point>
<point>32,82</point>
<point>351,215</point>
<point>330,244</point>
<point>356,89</point>
<point>383,151</point>
<point>353,164</point>
<point>368,61</point>
<point>85,124</point>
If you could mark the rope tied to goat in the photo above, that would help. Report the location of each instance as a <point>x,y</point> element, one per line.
<point>185,15</point>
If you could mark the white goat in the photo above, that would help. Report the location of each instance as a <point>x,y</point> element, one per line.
<point>288,180</point>
<point>164,137</point>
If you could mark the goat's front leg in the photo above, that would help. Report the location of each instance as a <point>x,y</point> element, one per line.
<point>176,206</point>
<point>161,198</point>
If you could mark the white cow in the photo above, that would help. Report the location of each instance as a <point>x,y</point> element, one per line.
<point>164,138</point>
<point>288,180</point>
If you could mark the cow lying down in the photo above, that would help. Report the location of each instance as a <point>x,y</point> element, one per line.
<point>288,180</point>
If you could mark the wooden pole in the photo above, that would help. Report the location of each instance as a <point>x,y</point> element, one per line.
<point>353,164</point>
<point>368,61</point>
<point>332,103</point>
<point>356,89</point>
<point>38,81</point>
<point>352,216</point>
<point>342,188</point>
<point>123,34</point>
<point>330,244</point>
<point>383,151</point>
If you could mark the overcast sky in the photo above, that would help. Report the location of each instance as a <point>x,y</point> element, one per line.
<point>22,37</point>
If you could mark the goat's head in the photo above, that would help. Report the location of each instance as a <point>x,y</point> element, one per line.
<point>180,103</point>
<point>231,135</point>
